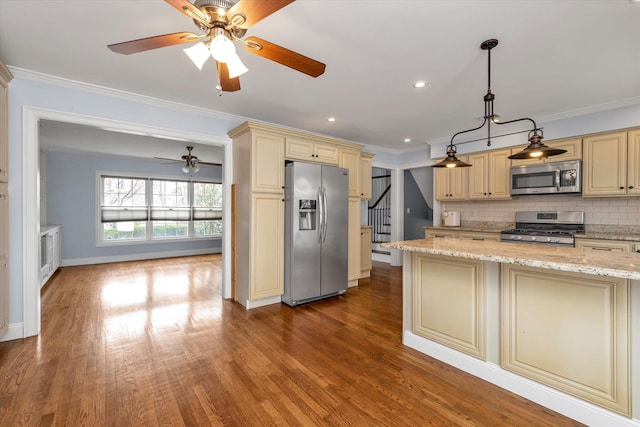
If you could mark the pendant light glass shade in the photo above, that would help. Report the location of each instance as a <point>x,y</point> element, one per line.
<point>222,49</point>
<point>236,67</point>
<point>451,161</point>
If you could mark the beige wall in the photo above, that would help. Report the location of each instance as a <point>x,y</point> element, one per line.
<point>609,210</point>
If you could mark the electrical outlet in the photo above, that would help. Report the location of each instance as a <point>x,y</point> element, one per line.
<point>408,211</point>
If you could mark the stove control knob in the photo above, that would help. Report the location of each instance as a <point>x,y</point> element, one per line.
<point>533,238</point>
<point>512,237</point>
<point>549,239</point>
<point>519,238</point>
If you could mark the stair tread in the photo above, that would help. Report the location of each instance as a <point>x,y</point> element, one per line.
<point>380,252</point>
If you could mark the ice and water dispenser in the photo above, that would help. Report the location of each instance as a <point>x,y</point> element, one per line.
<point>307,214</point>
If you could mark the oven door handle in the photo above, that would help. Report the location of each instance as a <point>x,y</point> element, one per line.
<point>558,180</point>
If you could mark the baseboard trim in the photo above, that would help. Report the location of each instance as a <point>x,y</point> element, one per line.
<point>137,257</point>
<point>548,397</point>
<point>14,332</point>
<point>249,304</point>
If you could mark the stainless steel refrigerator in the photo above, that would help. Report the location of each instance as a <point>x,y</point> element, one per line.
<point>316,232</point>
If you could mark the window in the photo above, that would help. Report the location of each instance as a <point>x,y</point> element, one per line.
<point>150,209</point>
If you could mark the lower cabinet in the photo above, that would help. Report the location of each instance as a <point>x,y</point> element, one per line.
<point>607,245</point>
<point>267,245</point>
<point>569,331</point>
<point>449,302</point>
<point>4,298</point>
<point>50,251</point>
<point>365,251</point>
<point>354,262</point>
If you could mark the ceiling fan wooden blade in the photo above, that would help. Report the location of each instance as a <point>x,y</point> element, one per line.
<point>227,84</point>
<point>148,43</point>
<point>284,56</point>
<point>209,163</point>
<point>170,160</point>
<point>191,11</point>
<point>254,10</point>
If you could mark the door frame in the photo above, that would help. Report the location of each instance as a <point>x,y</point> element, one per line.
<point>31,198</point>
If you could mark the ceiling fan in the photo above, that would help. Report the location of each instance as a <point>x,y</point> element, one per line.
<point>190,162</point>
<point>225,22</point>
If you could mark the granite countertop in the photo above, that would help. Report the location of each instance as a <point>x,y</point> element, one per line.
<point>622,265</point>
<point>609,235</point>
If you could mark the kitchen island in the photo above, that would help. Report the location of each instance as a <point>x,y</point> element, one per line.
<point>556,325</point>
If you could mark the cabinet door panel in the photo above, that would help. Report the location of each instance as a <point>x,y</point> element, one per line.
<point>4,137</point>
<point>326,154</point>
<point>4,298</point>
<point>4,223</point>
<point>458,181</point>
<point>365,249</point>
<point>354,239</point>
<point>351,161</point>
<point>299,149</point>
<point>478,188</point>
<point>365,177</point>
<point>441,175</point>
<point>267,245</point>
<point>633,163</point>
<point>605,165</point>
<point>499,165</point>
<point>267,163</point>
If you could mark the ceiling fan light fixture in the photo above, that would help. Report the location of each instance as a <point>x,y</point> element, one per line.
<point>185,168</point>
<point>222,49</point>
<point>198,53</point>
<point>236,67</point>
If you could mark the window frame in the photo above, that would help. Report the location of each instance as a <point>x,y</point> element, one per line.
<point>149,239</point>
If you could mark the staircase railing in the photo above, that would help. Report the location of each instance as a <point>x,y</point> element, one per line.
<point>379,215</point>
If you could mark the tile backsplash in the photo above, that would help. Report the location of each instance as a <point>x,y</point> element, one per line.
<point>598,210</point>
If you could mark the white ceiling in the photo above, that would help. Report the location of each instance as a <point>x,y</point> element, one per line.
<point>555,58</point>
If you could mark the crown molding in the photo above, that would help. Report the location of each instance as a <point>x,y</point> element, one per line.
<point>116,93</point>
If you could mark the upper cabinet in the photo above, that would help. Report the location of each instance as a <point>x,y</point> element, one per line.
<point>612,164</point>
<point>572,145</point>
<point>267,163</point>
<point>366,164</point>
<point>489,175</point>
<point>350,159</point>
<point>310,151</point>
<point>451,183</point>
<point>5,78</point>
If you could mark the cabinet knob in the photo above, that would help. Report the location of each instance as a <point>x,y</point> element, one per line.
<point>485,194</point>
<point>622,188</point>
<point>631,187</point>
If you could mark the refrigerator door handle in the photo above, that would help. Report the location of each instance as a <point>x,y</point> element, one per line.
<point>320,214</point>
<point>325,211</point>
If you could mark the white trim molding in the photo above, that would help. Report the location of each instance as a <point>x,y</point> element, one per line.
<point>137,257</point>
<point>31,117</point>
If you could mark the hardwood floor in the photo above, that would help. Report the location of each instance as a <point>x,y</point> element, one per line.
<point>152,343</point>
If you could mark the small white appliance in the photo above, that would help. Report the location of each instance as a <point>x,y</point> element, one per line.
<point>451,218</point>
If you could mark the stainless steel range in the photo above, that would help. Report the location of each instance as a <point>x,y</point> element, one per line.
<point>547,228</point>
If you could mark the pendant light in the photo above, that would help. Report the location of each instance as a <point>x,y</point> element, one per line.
<point>535,149</point>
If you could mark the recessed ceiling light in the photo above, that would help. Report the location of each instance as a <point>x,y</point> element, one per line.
<point>419,84</point>
<point>407,140</point>
<point>332,119</point>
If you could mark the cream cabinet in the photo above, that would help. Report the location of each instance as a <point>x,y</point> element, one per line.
<point>5,78</point>
<point>611,164</point>
<point>310,151</point>
<point>365,251</point>
<point>4,260</point>
<point>267,163</point>
<point>366,164</point>
<point>569,331</point>
<point>477,235</point>
<point>259,153</point>
<point>449,302</point>
<point>267,245</point>
<point>489,175</point>
<point>572,145</point>
<point>438,234</point>
<point>350,159</point>
<point>452,183</point>
<point>355,260</point>
<point>607,245</point>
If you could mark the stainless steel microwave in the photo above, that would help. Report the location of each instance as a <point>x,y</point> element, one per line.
<point>547,178</point>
